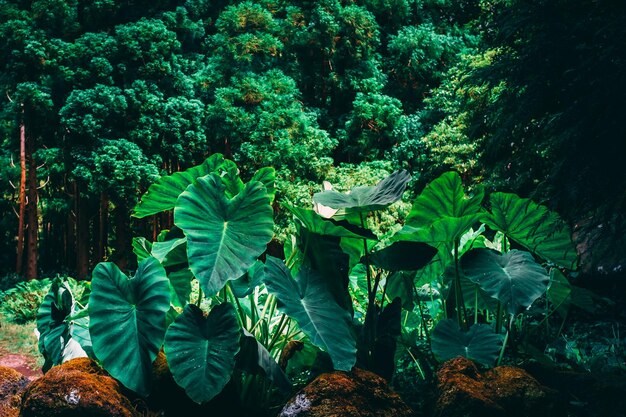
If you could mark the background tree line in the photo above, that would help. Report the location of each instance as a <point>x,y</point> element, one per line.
<point>100,97</point>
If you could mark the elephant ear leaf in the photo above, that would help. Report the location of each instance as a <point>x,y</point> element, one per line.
<point>533,226</point>
<point>162,195</point>
<point>127,320</point>
<point>479,343</point>
<point>224,236</point>
<point>513,278</point>
<point>308,301</point>
<point>201,351</point>
<point>366,198</point>
<point>442,213</point>
<point>443,197</point>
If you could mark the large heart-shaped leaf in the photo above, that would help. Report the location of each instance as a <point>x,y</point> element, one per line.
<point>127,323</point>
<point>479,343</point>
<point>201,351</point>
<point>254,358</point>
<point>162,195</point>
<point>514,278</point>
<point>443,197</point>
<point>308,301</point>
<point>533,226</point>
<point>403,256</point>
<point>224,236</point>
<point>367,198</point>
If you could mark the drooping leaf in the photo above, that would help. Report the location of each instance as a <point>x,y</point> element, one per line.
<point>171,252</point>
<point>224,237</point>
<point>367,198</point>
<point>127,320</point>
<point>254,358</point>
<point>533,226</point>
<point>162,195</point>
<point>201,351</point>
<point>403,256</point>
<point>479,343</point>
<point>306,299</point>
<point>514,278</point>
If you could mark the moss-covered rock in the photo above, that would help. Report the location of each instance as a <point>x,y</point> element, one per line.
<point>76,388</point>
<point>347,394</point>
<point>12,385</point>
<point>504,391</point>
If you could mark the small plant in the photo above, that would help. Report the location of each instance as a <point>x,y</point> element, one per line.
<point>20,303</point>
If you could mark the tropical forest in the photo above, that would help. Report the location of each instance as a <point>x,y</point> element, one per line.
<point>312,208</point>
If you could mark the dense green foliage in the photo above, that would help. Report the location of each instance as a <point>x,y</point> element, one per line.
<point>525,96</point>
<point>225,311</point>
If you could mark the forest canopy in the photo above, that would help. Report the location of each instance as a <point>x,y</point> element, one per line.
<point>100,98</point>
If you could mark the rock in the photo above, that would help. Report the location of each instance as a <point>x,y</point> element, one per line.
<point>346,394</point>
<point>77,388</point>
<point>12,385</point>
<point>503,391</point>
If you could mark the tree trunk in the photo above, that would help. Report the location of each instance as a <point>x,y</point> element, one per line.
<point>122,236</point>
<point>33,215</point>
<point>103,235</point>
<point>82,236</point>
<point>19,262</point>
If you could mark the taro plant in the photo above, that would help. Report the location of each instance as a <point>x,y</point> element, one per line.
<point>197,293</point>
<point>63,323</point>
<point>483,283</point>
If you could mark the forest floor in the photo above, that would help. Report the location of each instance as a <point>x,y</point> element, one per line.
<point>18,348</point>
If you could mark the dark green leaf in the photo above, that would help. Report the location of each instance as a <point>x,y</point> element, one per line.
<point>403,256</point>
<point>443,197</point>
<point>255,359</point>
<point>162,195</point>
<point>308,301</point>
<point>514,278</point>
<point>267,177</point>
<point>127,323</point>
<point>533,226</point>
<point>479,343</point>
<point>245,285</point>
<point>201,351</point>
<point>224,237</point>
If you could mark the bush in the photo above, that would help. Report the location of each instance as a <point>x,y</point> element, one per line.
<point>20,304</point>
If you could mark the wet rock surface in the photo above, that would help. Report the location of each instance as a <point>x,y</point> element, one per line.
<point>465,391</point>
<point>12,385</point>
<point>355,394</point>
<point>76,388</point>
